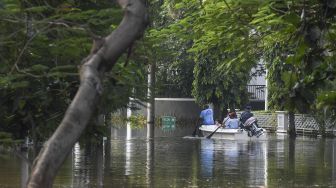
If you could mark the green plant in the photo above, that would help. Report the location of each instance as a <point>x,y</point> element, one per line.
<point>137,121</point>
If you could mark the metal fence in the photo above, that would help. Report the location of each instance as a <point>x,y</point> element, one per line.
<point>306,122</point>
<point>256,92</point>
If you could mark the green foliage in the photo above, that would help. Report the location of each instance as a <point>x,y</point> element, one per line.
<point>174,73</point>
<point>5,135</point>
<point>6,139</point>
<point>326,104</point>
<point>213,36</point>
<point>296,51</point>
<point>227,89</point>
<point>326,99</point>
<point>137,121</point>
<point>227,38</point>
<point>201,48</point>
<point>41,47</point>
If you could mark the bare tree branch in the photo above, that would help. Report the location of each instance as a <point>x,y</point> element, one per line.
<point>15,66</point>
<point>78,114</point>
<point>26,73</point>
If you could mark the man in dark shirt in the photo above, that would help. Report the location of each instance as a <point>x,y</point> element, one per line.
<point>252,128</point>
<point>246,114</point>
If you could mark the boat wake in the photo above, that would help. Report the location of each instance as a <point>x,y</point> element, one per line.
<point>194,137</point>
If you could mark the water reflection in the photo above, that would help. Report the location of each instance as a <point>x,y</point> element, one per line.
<point>291,161</point>
<point>207,155</point>
<point>100,155</point>
<point>150,163</point>
<point>80,168</point>
<point>132,161</point>
<point>257,163</point>
<point>334,162</point>
<point>128,151</point>
<point>24,170</point>
<point>241,163</point>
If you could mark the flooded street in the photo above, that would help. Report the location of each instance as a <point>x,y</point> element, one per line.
<point>171,160</point>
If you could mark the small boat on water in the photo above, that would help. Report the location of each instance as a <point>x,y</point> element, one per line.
<point>230,134</point>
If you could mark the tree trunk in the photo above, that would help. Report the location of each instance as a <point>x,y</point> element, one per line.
<point>217,112</point>
<point>292,130</point>
<point>34,137</point>
<point>78,114</point>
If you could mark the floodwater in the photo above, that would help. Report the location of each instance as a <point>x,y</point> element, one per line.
<point>170,160</point>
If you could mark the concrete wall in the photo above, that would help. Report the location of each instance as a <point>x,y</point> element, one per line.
<point>259,79</point>
<point>184,108</point>
<point>179,107</point>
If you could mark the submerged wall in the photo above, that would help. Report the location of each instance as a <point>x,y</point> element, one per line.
<point>184,108</point>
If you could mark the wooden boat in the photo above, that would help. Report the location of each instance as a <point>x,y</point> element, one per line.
<point>230,134</point>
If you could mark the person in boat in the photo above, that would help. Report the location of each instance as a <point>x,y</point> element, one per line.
<point>231,121</point>
<point>249,122</point>
<point>206,118</point>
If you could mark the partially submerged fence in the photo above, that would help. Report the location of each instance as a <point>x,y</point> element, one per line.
<point>307,124</point>
<point>304,123</point>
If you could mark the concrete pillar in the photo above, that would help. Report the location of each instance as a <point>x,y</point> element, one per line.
<point>282,117</point>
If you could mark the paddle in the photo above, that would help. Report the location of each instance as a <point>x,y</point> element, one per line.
<point>210,135</point>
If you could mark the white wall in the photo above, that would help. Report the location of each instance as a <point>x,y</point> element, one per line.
<point>257,80</point>
<point>185,108</point>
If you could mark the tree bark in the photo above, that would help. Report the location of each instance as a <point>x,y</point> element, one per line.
<point>292,130</point>
<point>217,112</point>
<point>78,114</point>
<point>33,133</point>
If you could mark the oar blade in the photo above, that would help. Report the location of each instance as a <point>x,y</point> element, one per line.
<point>210,135</point>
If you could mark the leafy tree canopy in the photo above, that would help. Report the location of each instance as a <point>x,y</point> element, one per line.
<point>227,38</point>
<point>41,47</point>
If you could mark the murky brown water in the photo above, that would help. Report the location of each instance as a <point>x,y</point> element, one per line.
<point>129,160</point>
